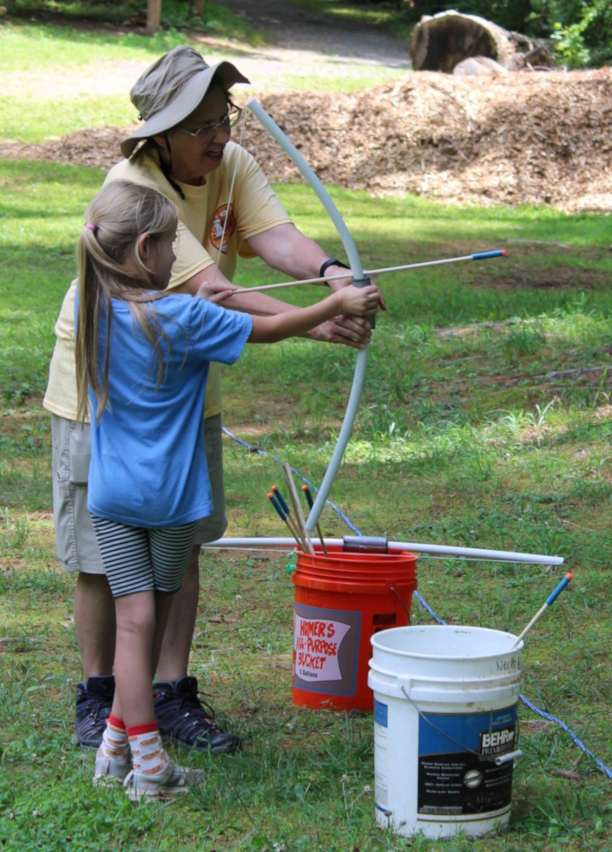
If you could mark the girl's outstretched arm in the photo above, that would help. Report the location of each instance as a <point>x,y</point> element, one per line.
<point>353,301</point>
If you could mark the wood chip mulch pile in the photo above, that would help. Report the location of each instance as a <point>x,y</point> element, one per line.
<point>521,138</point>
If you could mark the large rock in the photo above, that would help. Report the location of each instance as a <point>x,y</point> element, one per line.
<point>478,66</point>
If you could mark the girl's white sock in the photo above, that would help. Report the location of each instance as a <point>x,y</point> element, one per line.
<point>115,740</point>
<point>148,755</point>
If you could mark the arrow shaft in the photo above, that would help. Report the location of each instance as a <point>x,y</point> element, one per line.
<point>368,272</point>
<point>536,618</point>
<point>549,602</point>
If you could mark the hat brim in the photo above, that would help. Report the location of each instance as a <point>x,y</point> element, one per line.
<point>184,104</point>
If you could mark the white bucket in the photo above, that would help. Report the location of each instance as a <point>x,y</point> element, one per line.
<point>445,717</point>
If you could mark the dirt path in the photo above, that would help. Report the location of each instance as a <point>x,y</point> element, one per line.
<point>309,52</point>
<point>295,28</point>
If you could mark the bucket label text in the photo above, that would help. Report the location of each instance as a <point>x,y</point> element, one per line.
<point>316,644</point>
<point>325,646</point>
<point>457,770</point>
<point>494,743</point>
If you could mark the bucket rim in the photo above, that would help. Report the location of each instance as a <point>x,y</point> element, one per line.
<point>336,553</point>
<point>443,627</point>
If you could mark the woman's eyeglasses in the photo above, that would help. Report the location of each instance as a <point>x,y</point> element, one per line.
<point>207,131</point>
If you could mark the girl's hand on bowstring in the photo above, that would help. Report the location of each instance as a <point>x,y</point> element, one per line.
<point>217,292</point>
<point>358,301</point>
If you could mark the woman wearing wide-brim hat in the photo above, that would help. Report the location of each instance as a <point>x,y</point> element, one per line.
<point>183,149</point>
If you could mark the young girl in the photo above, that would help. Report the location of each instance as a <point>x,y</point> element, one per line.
<point>142,360</point>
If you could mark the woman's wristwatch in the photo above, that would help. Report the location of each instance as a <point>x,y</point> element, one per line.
<point>331,262</point>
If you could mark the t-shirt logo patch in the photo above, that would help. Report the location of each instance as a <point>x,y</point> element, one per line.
<point>219,222</point>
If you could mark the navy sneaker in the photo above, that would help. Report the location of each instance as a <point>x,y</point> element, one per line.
<point>94,700</point>
<point>182,718</point>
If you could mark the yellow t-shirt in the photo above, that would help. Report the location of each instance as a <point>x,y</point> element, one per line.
<point>254,209</point>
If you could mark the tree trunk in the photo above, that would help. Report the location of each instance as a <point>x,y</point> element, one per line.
<point>440,42</point>
<point>197,7</point>
<point>153,16</point>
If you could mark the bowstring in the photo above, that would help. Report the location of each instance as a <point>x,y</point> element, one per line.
<point>229,198</point>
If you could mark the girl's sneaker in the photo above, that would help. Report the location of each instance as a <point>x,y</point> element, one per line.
<point>110,770</point>
<point>171,781</point>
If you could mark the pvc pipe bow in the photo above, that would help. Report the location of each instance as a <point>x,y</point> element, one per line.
<point>357,273</point>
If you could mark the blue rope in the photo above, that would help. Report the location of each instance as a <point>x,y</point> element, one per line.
<point>605,769</point>
<point>429,609</point>
<point>305,479</point>
<point>548,716</point>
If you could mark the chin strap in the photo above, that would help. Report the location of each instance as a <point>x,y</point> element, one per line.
<point>229,200</point>
<point>167,169</point>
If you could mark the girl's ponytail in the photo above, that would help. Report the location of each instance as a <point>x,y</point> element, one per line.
<point>110,267</point>
<point>92,305</point>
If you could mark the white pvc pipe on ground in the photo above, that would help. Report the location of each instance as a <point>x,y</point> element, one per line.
<point>394,547</point>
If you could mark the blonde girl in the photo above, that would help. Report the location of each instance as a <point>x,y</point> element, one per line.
<point>142,360</point>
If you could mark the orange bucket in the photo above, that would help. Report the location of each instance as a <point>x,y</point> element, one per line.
<point>341,601</point>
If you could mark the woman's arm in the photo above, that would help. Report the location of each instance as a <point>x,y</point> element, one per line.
<point>211,284</point>
<point>350,300</point>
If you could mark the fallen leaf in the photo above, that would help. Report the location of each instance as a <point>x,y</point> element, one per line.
<point>568,774</point>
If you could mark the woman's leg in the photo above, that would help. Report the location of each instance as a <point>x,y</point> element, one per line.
<point>163,607</point>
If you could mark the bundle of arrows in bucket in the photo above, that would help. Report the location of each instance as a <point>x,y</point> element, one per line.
<point>444,697</point>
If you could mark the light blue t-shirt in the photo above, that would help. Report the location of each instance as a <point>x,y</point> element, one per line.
<point>148,460</point>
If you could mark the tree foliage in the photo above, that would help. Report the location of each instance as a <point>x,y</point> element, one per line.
<point>581,29</point>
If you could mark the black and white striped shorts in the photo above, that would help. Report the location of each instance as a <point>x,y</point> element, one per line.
<point>141,560</point>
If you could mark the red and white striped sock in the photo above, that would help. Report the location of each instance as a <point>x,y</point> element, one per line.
<point>114,740</point>
<point>148,755</point>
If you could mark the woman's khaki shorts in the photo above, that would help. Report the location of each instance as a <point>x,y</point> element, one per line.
<point>75,539</point>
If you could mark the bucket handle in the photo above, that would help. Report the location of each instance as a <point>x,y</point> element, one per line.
<point>502,758</point>
<point>404,607</point>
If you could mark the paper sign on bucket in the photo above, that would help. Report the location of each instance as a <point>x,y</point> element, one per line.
<point>323,653</point>
<point>341,600</point>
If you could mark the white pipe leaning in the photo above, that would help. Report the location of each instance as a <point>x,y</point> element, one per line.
<point>395,547</point>
<point>357,272</point>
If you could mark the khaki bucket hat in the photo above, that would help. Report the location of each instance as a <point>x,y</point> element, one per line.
<point>171,88</point>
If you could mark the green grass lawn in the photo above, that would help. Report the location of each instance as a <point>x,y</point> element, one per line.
<point>28,112</point>
<point>462,438</point>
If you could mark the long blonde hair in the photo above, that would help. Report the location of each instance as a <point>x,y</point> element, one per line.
<point>110,267</point>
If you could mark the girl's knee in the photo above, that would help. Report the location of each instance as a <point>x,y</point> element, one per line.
<point>136,615</point>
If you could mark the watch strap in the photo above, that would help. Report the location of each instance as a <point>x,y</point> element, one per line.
<point>331,262</point>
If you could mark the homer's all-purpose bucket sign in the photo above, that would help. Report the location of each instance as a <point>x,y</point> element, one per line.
<point>445,728</point>
<point>325,650</point>
<point>340,601</point>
